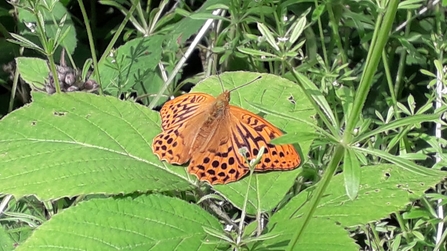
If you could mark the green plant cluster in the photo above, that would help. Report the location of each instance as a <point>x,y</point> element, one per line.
<point>357,86</point>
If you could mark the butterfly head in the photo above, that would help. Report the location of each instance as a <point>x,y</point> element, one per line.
<point>221,104</point>
<point>224,97</point>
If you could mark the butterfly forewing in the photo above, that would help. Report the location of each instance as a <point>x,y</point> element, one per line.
<point>179,119</point>
<point>183,108</point>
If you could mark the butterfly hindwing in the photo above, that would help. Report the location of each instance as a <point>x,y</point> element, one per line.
<point>219,166</point>
<point>252,131</point>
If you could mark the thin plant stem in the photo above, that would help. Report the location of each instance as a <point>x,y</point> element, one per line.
<point>259,229</point>
<point>91,42</point>
<point>317,195</point>
<point>117,34</point>
<point>376,239</point>
<point>244,208</point>
<point>402,63</point>
<point>48,49</point>
<point>401,222</point>
<point>389,81</point>
<point>372,62</point>
<point>320,31</point>
<point>13,90</point>
<point>141,16</point>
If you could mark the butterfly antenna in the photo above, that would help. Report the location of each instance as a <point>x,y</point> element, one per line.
<point>221,83</point>
<point>238,87</point>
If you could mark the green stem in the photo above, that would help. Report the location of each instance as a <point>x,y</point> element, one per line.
<point>117,34</point>
<point>91,42</point>
<point>321,33</point>
<point>48,48</point>
<point>54,72</point>
<point>403,228</point>
<point>322,185</point>
<point>372,62</point>
<point>335,32</point>
<point>390,81</point>
<point>402,62</point>
<point>376,239</point>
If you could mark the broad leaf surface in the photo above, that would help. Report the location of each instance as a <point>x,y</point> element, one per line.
<point>79,143</point>
<point>320,235</point>
<point>6,243</point>
<point>384,189</point>
<point>152,222</point>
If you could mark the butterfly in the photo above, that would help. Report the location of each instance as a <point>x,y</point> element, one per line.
<point>208,132</point>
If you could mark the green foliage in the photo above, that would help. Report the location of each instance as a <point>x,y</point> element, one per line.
<point>33,70</point>
<point>357,86</point>
<point>149,222</point>
<point>6,242</point>
<point>132,66</point>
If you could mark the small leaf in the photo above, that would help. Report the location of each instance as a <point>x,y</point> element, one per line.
<point>86,68</point>
<point>390,114</point>
<point>294,138</point>
<point>254,52</point>
<point>25,43</point>
<point>268,35</point>
<point>316,14</point>
<point>298,29</point>
<point>218,6</point>
<point>207,16</point>
<point>411,103</point>
<point>33,70</point>
<point>419,235</point>
<point>351,173</point>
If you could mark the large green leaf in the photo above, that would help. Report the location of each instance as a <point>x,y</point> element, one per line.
<point>320,235</point>
<point>282,97</point>
<point>152,222</point>
<point>384,189</point>
<point>6,243</point>
<point>78,143</point>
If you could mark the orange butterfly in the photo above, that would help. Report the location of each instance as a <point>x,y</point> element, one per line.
<point>208,132</point>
